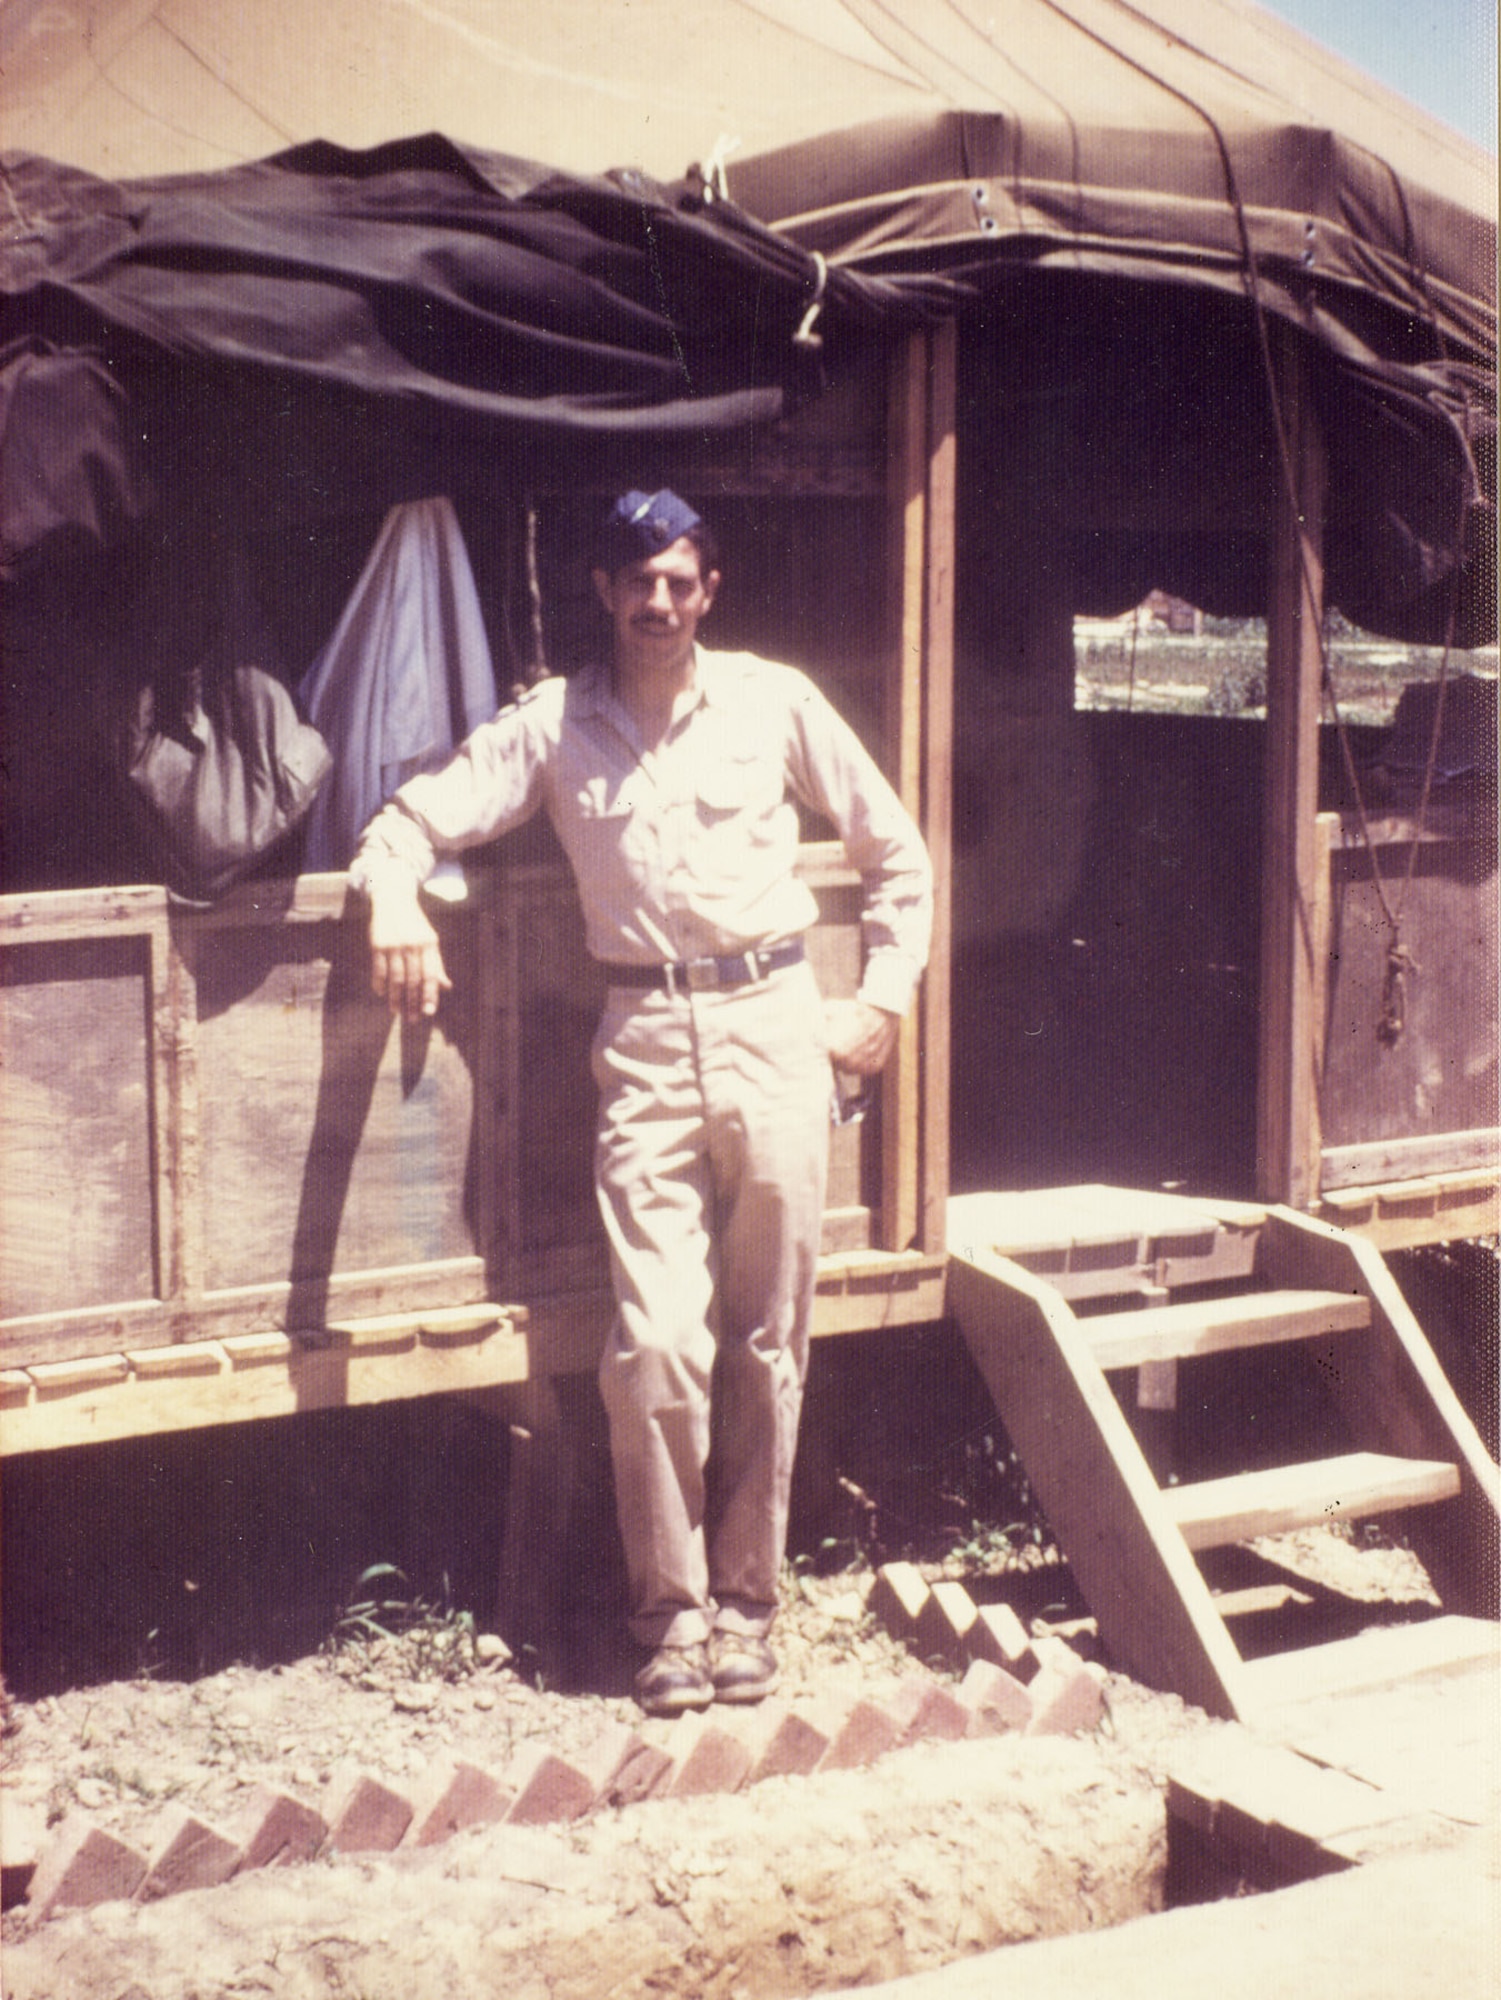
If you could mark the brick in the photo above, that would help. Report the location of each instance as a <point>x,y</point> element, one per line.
<point>944,1621</point>
<point>641,1774</point>
<point>281,1831</point>
<point>83,1865</point>
<point>708,1757</point>
<point>996,1700</point>
<point>367,1817</point>
<point>547,1787</point>
<point>929,1713</point>
<point>752,1723</point>
<point>897,1597</point>
<point>1065,1700</point>
<point>626,1768</point>
<point>866,1733</point>
<point>786,1744</point>
<point>999,1636</point>
<point>456,1795</point>
<point>188,1854</point>
<point>905,1706</point>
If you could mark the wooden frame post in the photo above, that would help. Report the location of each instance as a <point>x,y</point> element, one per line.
<point>177,1147</point>
<point>1294,867</point>
<point>920,724</point>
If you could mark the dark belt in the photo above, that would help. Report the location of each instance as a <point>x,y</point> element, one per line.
<point>697,975</point>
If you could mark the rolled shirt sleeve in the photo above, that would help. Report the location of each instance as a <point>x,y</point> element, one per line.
<point>834,772</point>
<point>492,783</point>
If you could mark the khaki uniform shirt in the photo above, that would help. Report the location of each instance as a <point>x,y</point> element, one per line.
<point>688,848</point>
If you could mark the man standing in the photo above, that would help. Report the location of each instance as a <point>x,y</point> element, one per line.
<point>671,776</point>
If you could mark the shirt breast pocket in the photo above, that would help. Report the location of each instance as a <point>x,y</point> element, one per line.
<point>599,821</point>
<point>747,781</point>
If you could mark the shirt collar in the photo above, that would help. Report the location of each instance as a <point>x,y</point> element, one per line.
<point>596,693</point>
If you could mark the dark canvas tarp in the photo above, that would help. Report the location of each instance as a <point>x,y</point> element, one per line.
<point>361,310</point>
<point>1095,173</point>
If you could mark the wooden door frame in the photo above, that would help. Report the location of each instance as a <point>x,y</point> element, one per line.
<point>1295,864</point>
<point>919,700</point>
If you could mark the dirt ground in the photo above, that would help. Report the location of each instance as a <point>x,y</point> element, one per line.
<point>179,1630</point>
<point>1079,1822</point>
<point>1416,1927</point>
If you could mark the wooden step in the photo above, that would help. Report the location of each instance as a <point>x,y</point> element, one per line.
<point>1217,1511</point>
<point>1018,1264</point>
<point>1383,1657</point>
<point>1212,1326</point>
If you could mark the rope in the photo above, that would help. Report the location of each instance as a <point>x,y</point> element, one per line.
<point>714,172</point>
<point>805,335</point>
<point>1399,960</point>
<point>537,669</point>
<point>532,665</point>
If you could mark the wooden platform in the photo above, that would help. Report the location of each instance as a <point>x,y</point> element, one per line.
<point>243,1377</point>
<point>1094,1241</point>
<point>1405,1757</point>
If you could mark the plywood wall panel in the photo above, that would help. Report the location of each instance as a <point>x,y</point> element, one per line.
<point>76,1223</point>
<point>333,1138</point>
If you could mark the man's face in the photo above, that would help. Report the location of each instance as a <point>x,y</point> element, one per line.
<point>655,605</point>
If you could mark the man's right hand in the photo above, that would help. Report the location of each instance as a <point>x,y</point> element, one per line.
<point>406,964</point>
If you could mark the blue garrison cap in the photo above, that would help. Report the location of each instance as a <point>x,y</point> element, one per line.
<point>642,524</point>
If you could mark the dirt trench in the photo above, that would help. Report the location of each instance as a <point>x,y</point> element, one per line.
<point>804,1886</point>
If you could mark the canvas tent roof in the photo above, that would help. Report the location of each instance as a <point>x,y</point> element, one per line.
<point>1125,133</point>
<point>126,88</point>
<point>1063,156</point>
<point>1081,147</point>
<point>1075,112</point>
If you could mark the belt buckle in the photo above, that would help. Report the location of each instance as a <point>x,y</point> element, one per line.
<point>700,974</point>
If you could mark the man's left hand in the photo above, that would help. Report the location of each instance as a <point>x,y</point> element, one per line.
<point>860,1037</point>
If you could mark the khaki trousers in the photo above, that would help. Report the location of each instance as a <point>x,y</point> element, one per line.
<point>711,1167</point>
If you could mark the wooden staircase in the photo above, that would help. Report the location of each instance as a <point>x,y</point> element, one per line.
<point>1056,1291</point>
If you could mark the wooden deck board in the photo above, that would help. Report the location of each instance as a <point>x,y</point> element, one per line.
<point>1215,1512</point>
<point>257,1375</point>
<point>1178,1332</point>
<point>1282,1687</point>
<point>1094,1241</point>
<point>429,1350</point>
<point>1385,1744</point>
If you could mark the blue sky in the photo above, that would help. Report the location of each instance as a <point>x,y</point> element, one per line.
<point>1440,53</point>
